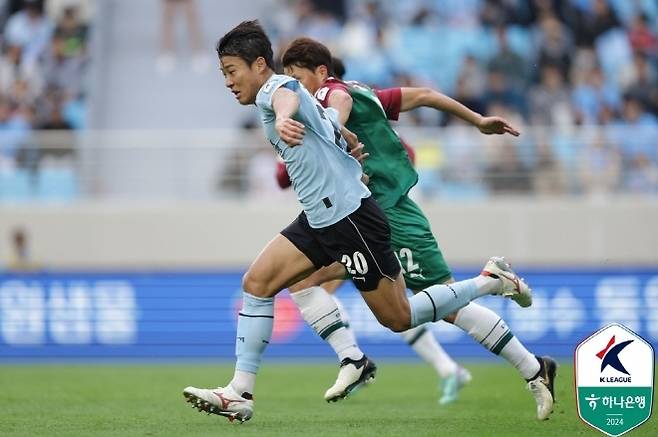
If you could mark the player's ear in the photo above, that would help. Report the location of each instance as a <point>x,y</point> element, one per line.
<point>322,70</point>
<point>261,64</point>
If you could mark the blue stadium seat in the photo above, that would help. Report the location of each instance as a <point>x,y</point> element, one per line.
<point>57,184</point>
<point>15,186</point>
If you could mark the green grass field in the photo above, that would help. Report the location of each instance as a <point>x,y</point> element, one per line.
<point>146,400</point>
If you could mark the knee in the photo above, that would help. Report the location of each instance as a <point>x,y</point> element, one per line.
<point>400,323</point>
<point>450,318</point>
<point>254,284</point>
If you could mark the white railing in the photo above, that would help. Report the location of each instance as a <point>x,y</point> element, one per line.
<point>454,163</point>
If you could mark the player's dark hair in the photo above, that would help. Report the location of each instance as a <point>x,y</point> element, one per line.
<point>247,41</point>
<point>338,67</point>
<point>307,53</point>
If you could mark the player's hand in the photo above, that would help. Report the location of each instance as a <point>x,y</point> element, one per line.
<point>496,125</point>
<point>358,153</point>
<point>353,144</point>
<point>365,178</point>
<point>290,131</point>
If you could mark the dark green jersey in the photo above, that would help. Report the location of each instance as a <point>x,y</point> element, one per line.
<point>391,172</point>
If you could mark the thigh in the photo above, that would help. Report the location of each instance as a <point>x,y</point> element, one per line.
<point>423,264</point>
<point>361,242</point>
<point>279,265</point>
<point>389,303</point>
<point>329,277</point>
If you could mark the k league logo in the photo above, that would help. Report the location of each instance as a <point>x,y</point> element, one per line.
<point>610,357</point>
<point>614,371</point>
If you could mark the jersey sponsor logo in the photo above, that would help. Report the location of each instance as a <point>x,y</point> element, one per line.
<point>321,94</point>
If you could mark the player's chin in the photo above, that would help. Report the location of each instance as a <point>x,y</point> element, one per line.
<point>244,99</point>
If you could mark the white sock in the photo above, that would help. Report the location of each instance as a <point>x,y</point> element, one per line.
<point>422,341</point>
<point>243,382</point>
<point>491,331</point>
<point>345,317</point>
<point>486,284</point>
<point>320,311</point>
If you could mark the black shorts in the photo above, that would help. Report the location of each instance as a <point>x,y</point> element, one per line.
<point>361,242</point>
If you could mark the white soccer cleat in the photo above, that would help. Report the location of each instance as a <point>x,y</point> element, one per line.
<point>542,387</point>
<point>453,384</point>
<point>223,401</point>
<point>352,375</point>
<point>512,285</point>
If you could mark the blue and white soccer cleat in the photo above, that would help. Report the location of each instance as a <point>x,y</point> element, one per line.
<point>223,401</point>
<point>453,384</point>
<point>353,374</point>
<point>512,285</point>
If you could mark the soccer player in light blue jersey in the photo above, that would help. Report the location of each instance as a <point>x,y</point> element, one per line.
<point>341,226</point>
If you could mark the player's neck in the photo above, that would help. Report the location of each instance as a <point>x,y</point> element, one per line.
<point>266,76</point>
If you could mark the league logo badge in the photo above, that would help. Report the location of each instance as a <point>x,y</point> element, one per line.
<point>614,371</point>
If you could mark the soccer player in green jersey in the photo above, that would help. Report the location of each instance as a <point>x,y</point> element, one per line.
<point>391,175</point>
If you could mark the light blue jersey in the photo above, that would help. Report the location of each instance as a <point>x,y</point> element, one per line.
<point>325,177</point>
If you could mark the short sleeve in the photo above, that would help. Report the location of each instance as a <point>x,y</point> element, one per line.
<point>322,95</point>
<point>391,100</point>
<point>264,96</point>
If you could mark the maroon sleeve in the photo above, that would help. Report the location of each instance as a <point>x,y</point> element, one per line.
<point>410,152</point>
<point>282,175</point>
<point>391,99</point>
<point>327,88</point>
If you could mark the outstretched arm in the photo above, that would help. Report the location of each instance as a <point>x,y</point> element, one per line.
<point>413,98</point>
<point>286,104</point>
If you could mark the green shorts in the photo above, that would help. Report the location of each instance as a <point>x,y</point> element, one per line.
<point>415,246</point>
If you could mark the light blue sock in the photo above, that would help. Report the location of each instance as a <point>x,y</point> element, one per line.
<point>438,301</point>
<point>254,331</point>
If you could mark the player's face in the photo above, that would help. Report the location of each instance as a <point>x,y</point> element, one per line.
<point>241,78</point>
<point>312,80</point>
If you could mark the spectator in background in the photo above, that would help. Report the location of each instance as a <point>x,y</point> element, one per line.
<point>590,97</point>
<point>593,23</point>
<point>19,257</point>
<point>599,164</point>
<point>642,176</point>
<point>555,44</point>
<point>4,12</point>
<point>30,29</point>
<point>549,98</point>
<point>508,62</point>
<point>167,60</point>
<point>14,131</point>
<point>54,118</point>
<point>636,133</point>
<point>495,12</point>
<point>641,37</point>
<point>73,32</point>
<point>321,25</point>
<point>549,178</point>
<point>12,69</point>
<point>499,91</point>
<point>640,79</point>
<point>506,174</point>
<point>61,70</point>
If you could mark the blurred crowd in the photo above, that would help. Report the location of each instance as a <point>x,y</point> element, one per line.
<point>43,57</point>
<point>585,72</point>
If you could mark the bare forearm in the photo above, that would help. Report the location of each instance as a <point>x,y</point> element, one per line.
<point>416,97</point>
